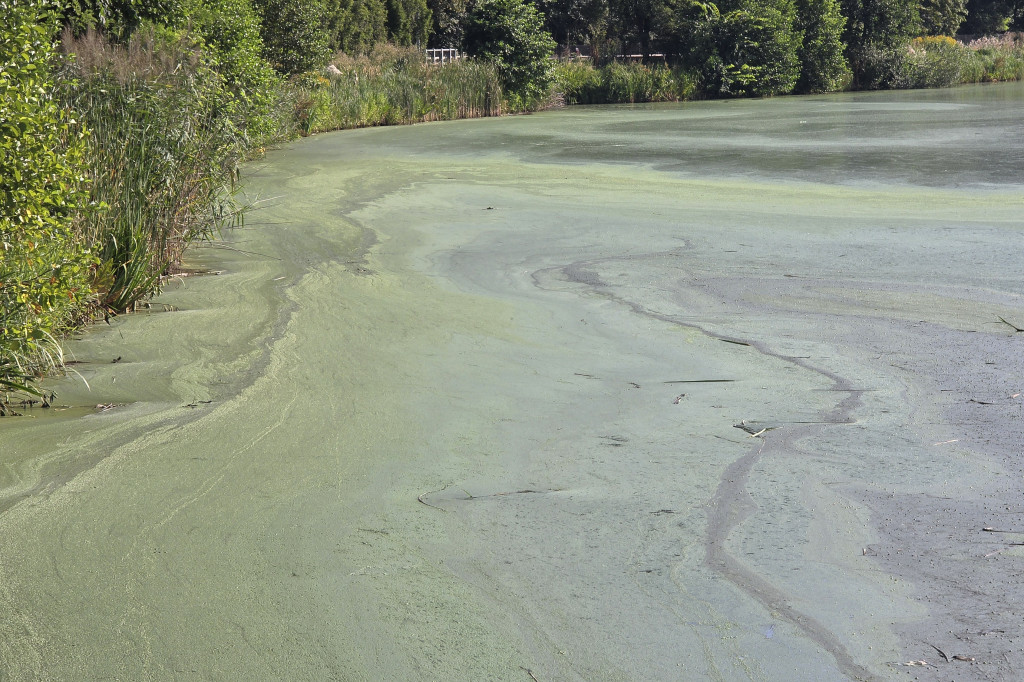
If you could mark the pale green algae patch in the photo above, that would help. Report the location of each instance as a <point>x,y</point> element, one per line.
<point>444,439</point>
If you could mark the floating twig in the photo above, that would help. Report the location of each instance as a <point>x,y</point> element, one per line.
<point>941,652</point>
<point>530,673</point>
<point>1010,324</point>
<point>419,498</point>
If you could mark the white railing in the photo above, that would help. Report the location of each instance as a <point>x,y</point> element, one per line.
<point>443,55</point>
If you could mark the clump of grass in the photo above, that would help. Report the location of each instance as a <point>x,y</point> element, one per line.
<point>996,59</point>
<point>392,86</point>
<point>934,62</point>
<point>580,82</point>
<point>162,155</point>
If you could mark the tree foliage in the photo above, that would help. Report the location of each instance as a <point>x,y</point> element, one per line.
<point>118,19</point>
<point>942,17</point>
<point>823,66</point>
<point>638,21</point>
<point>294,34</point>
<point>355,26</point>
<point>510,33</point>
<point>447,17</point>
<point>991,16</point>
<point>409,22</point>
<point>748,49</point>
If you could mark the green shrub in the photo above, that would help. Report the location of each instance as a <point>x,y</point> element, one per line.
<point>934,62</point>
<point>750,48</point>
<point>44,267</point>
<point>231,45</point>
<point>511,35</point>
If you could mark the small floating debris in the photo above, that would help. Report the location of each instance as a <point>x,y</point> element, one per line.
<point>699,381</point>
<point>755,430</point>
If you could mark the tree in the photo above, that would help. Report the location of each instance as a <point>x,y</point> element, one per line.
<point>985,17</point>
<point>409,22</point>
<point>294,34</point>
<point>447,16</point>
<point>876,35</point>
<point>118,19</point>
<point>230,31</point>
<point>510,33</point>
<point>575,21</point>
<point>942,17</point>
<point>355,26</point>
<point>751,49</point>
<point>640,21</point>
<point>823,67</point>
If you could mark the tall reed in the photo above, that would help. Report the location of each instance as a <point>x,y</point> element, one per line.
<point>580,82</point>
<point>163,152</point>
<point>393,86</point>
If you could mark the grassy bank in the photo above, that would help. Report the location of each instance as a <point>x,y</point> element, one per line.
<point>930,62</point>
<point>127,153</point>
<point>393,86</point>
<point>579,82</point>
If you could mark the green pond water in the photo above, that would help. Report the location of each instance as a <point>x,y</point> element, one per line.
<point>710,391</point>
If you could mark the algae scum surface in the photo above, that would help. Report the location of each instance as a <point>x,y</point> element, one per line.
<point>707,391</point>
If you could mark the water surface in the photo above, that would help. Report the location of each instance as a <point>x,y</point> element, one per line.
<point>705,391</point>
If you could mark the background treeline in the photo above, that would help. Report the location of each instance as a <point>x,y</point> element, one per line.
<point>123,122</point>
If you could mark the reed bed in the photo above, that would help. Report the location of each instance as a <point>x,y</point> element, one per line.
<point>579,82</point>
<point>393,86</point>
<point>162,157</point>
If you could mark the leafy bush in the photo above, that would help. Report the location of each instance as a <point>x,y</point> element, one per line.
<point>231,45</point>
<point>511,35</point>
<point>44,268</point>
<point>934,62</point>
<point>748,50</point>
<point>880,66</point>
